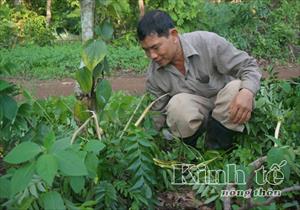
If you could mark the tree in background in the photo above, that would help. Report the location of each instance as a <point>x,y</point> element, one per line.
<point>48,12</point>
<point>87,19</point>
<point>141,7</point>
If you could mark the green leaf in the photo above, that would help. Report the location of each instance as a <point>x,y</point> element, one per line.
<point>106,193</point>
<point>4,85</point>
<point>4,188</point>
<point>94,146</point>
<point>21,178</point>
<point>47,168</point>
<point>22,153</point>
<point>93,53</point>
<point>275,157</point>
<point>286,87</point>
<point>103,93</point>
<point>49,140</point>
<point>60,145</point>
<point>140,182</point>
<point>85,79</point>
<point>53,200</point>
<point>81,111</point>
<point>77,183</point>
<point>211,199</point>
<point>106,30</point>
<point>9,107</point>
<point>101,68</point>
<point>91,163</point>
<point>70,163</point>
<point>1,113</point>
<point>145,143</point>
<point>148,191</point>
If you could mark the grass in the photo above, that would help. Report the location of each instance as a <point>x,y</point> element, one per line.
<point>62,60</point>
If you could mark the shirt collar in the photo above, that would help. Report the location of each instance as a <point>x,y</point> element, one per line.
<point>188,51</point>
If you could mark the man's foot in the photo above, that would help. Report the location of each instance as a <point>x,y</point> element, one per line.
<point>218,136</point>
<point>192,140</point>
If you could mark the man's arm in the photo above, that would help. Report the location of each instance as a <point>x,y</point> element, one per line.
<point>238,64</point>
<point>154,90</point>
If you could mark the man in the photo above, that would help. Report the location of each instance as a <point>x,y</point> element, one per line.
<point>211,84</point>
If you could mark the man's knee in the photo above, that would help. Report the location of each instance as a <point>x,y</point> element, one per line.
<point>183,115</point>
<point>221,112</point>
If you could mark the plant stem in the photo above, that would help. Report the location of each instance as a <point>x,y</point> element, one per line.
<point>134,112</point>
<point>98,129</point>
<point>79,129</point>
<point>147,110</point>
<point>277,131</point>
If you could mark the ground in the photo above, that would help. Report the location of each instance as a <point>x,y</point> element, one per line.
<point>134,84</point>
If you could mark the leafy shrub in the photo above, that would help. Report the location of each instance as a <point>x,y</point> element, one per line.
<point>186,14</point>
<point>19,25</point>
<point>32,27</point>
<point>36,31</point>
<point>263,28</point>
<point>8,32</point>
<point>129,170</point>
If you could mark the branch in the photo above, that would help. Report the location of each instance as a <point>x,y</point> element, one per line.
<point>147,110</point>
<point>79,129</point>
<point>255,165</point>
<point>271,199</point>
<point>130,119</point>
<point>277,131</point>
<point>258,163</point>
<point>99,131</point>
<point>227,200</point>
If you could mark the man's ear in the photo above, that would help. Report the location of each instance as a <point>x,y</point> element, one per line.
<point>174,34</point>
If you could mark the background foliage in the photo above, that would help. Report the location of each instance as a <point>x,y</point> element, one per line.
<point>267,29</point>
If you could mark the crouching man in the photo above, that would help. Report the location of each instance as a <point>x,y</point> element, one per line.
<point>211,84</point>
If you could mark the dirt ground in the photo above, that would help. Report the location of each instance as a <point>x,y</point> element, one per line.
<point>130,83</point>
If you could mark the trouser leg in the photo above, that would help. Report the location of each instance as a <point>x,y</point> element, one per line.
<point>186,114</point>
<point>220,129</point>
<point>221,112</point>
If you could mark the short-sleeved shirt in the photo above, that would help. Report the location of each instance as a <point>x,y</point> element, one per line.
<point>210,62</point>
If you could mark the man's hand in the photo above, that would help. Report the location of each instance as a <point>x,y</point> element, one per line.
<point>241,107</point>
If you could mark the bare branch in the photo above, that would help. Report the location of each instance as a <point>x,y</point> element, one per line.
<point>277,131</point>
<point>130,119</point>
<point>271,199</point>
<point>79,129</point>
<point>258,163</point>
<point>99,131</point>
<point>147,110</point>
<point>227,200</point>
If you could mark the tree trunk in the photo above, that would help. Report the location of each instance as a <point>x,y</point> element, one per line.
<point>142,8</point>
<point>18,2</point>
<point>48,12</point>
<point>87,9</point>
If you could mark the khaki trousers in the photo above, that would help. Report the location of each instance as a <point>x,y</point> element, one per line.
<point>187,112</point>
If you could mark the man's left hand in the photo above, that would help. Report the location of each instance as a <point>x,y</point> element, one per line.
<point>241,107</point>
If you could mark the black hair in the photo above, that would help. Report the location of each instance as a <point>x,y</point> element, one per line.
<point>157,22</point>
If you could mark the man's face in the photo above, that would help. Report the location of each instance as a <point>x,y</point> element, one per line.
<point>160,49</point>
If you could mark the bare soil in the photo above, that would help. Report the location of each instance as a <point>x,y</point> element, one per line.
<point>133,84</point>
